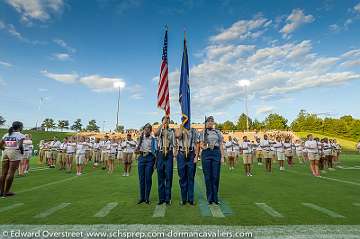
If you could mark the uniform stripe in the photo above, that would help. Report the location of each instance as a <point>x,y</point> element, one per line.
<point>216,211</point>
<point>52,210</point>
<point>225,208</point>
<point>323,210</point>
<point>3,209</point>
<point>47,184</point>
<point>159,210</point>
<point>204,209</point>
<point>269,210</point>
<point>106,210</point>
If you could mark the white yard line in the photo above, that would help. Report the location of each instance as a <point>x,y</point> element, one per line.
<point>339,180</point>
<point>269,210</point>
<point>3,209</point>
<point>106,210</point>
<point>159,210</point>
<point>327,178</point>
<point>356,204</point>
<point>216,211</point>
<point>46,184</point>
<point>323,210</point>
<point>52,210</point>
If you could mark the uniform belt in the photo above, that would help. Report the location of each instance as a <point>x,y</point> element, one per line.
<point>183,149</point>
<point>169,149</point>
<point>144,154</point>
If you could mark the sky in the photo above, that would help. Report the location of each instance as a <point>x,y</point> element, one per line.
<point>60,58</point>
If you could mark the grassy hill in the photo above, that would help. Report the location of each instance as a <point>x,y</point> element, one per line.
<point>346,144</point>
<point>38,135</point>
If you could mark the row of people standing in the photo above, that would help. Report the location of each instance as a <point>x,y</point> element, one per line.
<point>185,146</point>
<point>326,151</point>
<point>82,150</point>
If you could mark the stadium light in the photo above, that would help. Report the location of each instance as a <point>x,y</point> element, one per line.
<point>245,84</point>
<point>118,85</point>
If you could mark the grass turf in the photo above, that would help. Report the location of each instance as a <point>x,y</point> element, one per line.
<point>283,191</point>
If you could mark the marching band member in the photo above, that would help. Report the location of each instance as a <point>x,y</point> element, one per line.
<point>266,152</point>
<point>80,155</point>
<point>112,155</point>
<point>245,147</point>
<point>146,150</point>
<point>54,146</point>
<point>128,146</point>
<point>41,151</point>
<point>299,151</point>
<point>61,154</point>
<point>120,152</point>
<point>88,147</point>
<point>212,155</point>
<point>327,152</point>
<point>105,145</point>
<point>312,150</point>
<point>164,160</point>
<point>288,150</point>
<point>230,149</point>
<point>28,150</point>
<point>337,150</point>
<point>187,156</point>
<point>258,151</point>
<point>280,152</point>
<point>96,152</point>
<point>70,153</point>
<point>12,144</point>
<point>333,156</point>
<point>47,150</point>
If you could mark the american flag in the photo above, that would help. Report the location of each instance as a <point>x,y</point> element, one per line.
<point>163,101</point>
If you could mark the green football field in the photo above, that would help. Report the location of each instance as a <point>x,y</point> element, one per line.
<point>291,197</point>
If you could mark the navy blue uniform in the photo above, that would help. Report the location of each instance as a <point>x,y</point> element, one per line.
<point>146,166</point>
<point>185,164</point>
<point>211,162</point>
<point>164,164</point>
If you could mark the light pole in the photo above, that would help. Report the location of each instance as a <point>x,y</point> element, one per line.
<point>118,85</point>
<point>245,84</point>
<point>39,108</point>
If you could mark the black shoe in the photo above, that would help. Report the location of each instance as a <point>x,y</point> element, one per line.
<point>160,203</point>
<point>191,203</point>
<point>210,203</point>
<point>9,194</point>
<point>103,168</point>
<point>217,203</point>
<point>183,203</point>
<point>140,201</point>
<point>147,202</point>
<point>168,203</point>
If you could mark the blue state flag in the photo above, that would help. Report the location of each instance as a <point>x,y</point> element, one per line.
<point>184,91</point>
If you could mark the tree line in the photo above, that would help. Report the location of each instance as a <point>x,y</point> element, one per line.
<point>346,126</point>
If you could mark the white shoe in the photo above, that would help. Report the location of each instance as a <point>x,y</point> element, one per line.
<point>124,175</point>
<point>250,175</point>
